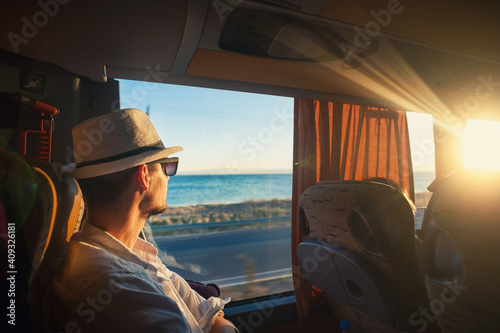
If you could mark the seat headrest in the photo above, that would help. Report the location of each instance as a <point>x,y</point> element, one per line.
<point>377,215</point>
<point>45,206</point>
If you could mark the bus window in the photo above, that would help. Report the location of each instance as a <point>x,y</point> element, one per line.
<point>481,144</point>
<point>420,128</point>
<point>228,220</point>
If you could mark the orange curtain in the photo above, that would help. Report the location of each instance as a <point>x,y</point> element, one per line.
<point>375,143</point>
<point>335,140</point>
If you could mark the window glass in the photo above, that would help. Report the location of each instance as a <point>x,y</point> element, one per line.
<point>481,144</point>
<point>228,220</point>
<point>422,151</point>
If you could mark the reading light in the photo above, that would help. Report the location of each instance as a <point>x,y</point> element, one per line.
<point>367,49</point>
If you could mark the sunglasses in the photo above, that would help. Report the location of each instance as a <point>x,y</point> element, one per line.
<point>169,166</point>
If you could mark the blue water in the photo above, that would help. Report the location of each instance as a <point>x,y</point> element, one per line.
<point>208,189</point>
<point>422,180</point>
<point>185,190</point>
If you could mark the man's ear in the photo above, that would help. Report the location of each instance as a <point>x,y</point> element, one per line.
<point>143,177</point>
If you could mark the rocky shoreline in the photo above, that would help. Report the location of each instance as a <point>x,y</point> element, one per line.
<point>224,212</point>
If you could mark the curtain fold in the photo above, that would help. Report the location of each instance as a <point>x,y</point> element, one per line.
<point>338,141</point>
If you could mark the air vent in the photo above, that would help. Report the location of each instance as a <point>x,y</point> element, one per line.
<point>264,34</point>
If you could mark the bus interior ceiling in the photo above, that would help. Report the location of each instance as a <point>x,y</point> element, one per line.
<point>422,56</point>
<point>437,49</point>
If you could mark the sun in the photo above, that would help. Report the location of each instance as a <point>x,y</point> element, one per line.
<point>481,144</point>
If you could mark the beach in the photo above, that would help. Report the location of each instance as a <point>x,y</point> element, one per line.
<point>250,209</point>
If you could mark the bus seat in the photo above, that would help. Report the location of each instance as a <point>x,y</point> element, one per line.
<point>47,208</point>
<point>359,250</point>
<point>65,219</point>
<point>66,210</point>
<point>461,246</point>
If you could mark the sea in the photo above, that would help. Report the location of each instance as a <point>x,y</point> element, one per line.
<point>187,190</point>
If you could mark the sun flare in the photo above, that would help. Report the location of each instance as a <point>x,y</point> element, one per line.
<point>481,144</point>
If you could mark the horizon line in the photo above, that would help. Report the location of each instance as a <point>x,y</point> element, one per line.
<point>196,173</point>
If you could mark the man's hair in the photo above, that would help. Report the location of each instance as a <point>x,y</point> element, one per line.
<point>103,190</point>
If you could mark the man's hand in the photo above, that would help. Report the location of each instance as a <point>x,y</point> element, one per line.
<point>222,325</point>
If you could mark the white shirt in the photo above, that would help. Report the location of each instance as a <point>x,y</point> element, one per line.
<point>103,286</point>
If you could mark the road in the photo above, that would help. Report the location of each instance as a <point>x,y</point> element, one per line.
<point>228,257</point>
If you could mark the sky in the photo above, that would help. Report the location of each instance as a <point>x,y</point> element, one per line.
<point>480,143</point>
<point>222,132</point>
<point>421,141</point>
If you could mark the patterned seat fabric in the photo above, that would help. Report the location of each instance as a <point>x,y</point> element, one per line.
<point>360,252</point>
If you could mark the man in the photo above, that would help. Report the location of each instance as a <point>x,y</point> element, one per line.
<point>110,279</point>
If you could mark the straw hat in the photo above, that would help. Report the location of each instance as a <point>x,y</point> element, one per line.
<point>114,142</point>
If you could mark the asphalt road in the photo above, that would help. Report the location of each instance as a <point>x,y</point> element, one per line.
<point>228,257</point>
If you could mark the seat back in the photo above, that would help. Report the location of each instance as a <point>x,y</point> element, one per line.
<point>461,247</point>
<point>46,207</point>
<point>66,210</point>
<point>359,251</point>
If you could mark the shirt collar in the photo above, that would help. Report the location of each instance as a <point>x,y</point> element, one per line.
<point>142,246</point>
<point>93,235</point>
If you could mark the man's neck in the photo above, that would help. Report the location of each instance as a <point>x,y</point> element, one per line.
<point>124,224</point>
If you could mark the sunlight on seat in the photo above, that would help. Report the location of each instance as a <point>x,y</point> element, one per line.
<point>481,144</point>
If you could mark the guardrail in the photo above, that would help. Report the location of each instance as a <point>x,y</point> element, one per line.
<point>220,223</point>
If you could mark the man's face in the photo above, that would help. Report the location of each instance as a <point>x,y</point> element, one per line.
<point>155,201</point>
